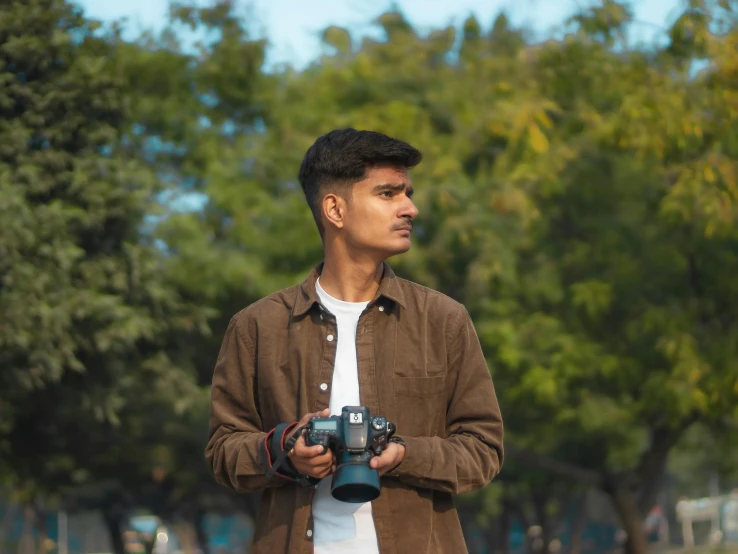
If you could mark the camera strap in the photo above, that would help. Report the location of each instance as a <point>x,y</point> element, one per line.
<point>283,448</point>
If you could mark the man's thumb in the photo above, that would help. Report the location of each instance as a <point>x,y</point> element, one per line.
<point>307,417</point>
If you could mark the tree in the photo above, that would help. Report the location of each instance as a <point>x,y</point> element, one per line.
<point>576,195</point>
<point>191,104</point>
<point>90,328</point>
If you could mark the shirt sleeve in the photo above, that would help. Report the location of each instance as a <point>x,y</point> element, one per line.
<point>237,444</point>
<point>471,454</point>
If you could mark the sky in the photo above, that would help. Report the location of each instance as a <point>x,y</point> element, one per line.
<point>293,26</point>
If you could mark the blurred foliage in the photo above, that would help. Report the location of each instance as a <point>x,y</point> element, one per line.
<point>89,326</point>
<point>578,195</point>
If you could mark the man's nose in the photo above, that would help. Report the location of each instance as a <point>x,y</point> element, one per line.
<point>409,210</point>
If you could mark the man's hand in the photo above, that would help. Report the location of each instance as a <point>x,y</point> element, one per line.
<point>312,460</point>
<point>389,459</point>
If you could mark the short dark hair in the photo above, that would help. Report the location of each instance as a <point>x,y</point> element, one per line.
<point>339,159</point>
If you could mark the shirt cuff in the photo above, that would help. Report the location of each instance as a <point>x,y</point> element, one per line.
<point>417,461</point>
<point>274,447</point>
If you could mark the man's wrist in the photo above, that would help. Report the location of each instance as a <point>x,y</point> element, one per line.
<point>402,453</point>
<point>400,442</point>
<point>417,460</point>
<point>397,440</point>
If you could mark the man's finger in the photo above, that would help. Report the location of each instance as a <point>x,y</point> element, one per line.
<point>377,462</point>
<point>326,472</point>
<point>311,458</point>
<point>322,460</point>
<point>306,417</point>
<point>325,457</point>
<point>304,451</point>
<point>309,467</point>
<point>319,465</point>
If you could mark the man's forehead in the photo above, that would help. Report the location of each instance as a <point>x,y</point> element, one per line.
<point>387,173</point>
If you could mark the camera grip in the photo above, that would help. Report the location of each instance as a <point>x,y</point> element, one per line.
<point>317,440</point>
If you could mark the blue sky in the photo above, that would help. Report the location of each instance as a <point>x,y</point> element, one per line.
<point>293,26</point>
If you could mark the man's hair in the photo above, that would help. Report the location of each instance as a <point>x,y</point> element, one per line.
<point>339,159</point>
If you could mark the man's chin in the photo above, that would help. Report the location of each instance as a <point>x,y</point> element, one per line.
<point>382,251</point>
<point>399,247</point>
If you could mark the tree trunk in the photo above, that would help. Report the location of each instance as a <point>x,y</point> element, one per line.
<point>627,508</point>
<point>43,534</point>
<point>5,525</point>
<point>514,509</point>
<point>505,532</point>
<point>25,545</point>
<point>652,465</point>
<point>187,536</point>
<point>114,524</point>
<point>202,536</point>
<point>578,524</point>
<point>540,500</point>
<point>149,543</point>
<point>250,503</point>
<point>490,538</point>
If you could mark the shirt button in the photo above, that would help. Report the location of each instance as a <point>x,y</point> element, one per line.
<point>324,386</point>
<point>330,338</point>
<point>321,316</point>
<point>309,532</point>
<point>381,308</point>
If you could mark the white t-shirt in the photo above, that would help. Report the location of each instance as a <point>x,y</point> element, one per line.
<point>341,527</point>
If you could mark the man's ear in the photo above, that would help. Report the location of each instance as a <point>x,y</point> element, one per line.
<point>334,210</point>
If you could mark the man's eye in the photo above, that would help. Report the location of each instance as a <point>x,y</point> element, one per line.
<point>386,193</point>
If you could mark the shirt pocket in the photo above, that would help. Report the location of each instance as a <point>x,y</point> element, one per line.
<point>420,405</point>
<point>419,387</point>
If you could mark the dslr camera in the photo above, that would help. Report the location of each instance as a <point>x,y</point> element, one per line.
<point>355,437</point>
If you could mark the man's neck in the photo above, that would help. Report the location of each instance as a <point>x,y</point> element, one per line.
<point>350,280</point>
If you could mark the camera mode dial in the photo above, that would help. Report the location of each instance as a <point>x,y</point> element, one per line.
<point>379,423</point>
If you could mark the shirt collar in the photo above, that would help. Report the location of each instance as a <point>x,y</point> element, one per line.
<point>389,288</point>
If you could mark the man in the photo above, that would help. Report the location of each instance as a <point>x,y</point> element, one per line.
<point>355,334</point>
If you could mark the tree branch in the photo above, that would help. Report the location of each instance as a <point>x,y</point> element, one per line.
<point>515,508</point>
<point>651,466</point>
<point>566,470</point>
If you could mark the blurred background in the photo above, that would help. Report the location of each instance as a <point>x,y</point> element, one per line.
<point>579,194</point>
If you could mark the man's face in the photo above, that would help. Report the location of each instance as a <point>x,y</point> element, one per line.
<point>380,211</point>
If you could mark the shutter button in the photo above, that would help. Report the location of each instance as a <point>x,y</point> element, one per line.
<point>324,386</point>
<point>330,338</point>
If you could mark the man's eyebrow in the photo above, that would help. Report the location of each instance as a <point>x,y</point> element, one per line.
<point>393,187</point>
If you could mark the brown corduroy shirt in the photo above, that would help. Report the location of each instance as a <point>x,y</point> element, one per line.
<point>420,365</point>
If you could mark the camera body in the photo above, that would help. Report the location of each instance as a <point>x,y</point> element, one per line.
<point>355,437</point>
<point>354,431</point>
